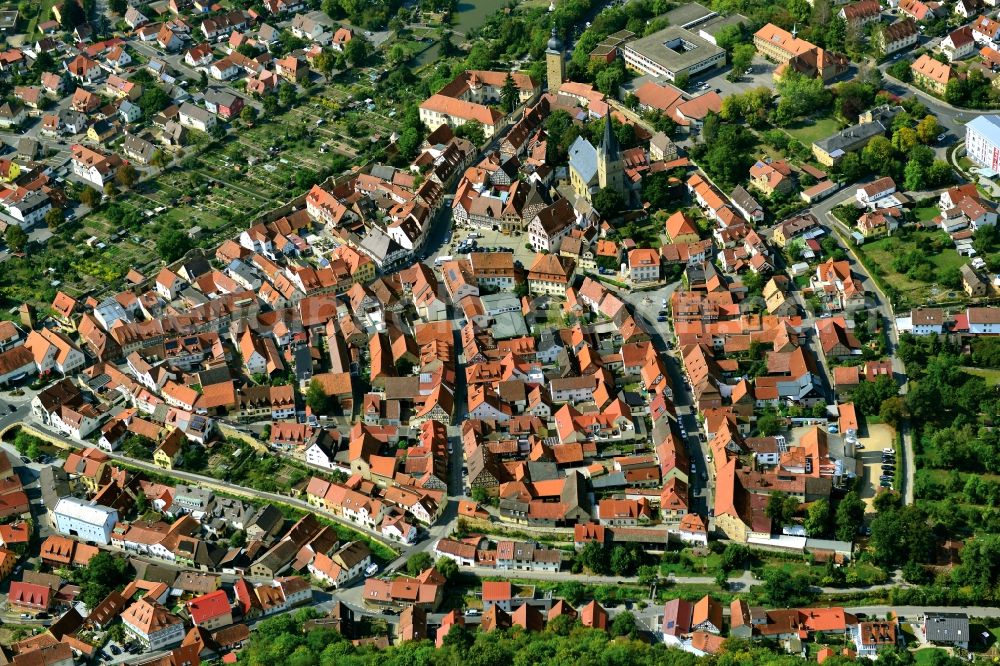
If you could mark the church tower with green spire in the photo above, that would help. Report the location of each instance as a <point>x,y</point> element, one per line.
<point>610,172</point>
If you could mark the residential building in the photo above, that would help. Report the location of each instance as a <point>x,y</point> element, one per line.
<point>153,625</point>
<point>868,195</point>
<point>959,44</point>
<point>947,629</point>
<point>982,141</point>
<point>973,283</point>
<point>983,321</point>
<point>772,177</point>
<point>644,265</point>
<point>92,166</point>
<point>917,10</point>
<point>196,117</point>
<point>859,14</point>
<point>926,321</point>
<point>550,275</point>
<point>931,74</point>
<point>871,637</point>
<point>897,36</point>
<point>210,611</point>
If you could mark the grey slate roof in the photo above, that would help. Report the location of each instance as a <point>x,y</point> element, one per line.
<point>947,627</point>
<point>849,136</point>
<point>583,159</point>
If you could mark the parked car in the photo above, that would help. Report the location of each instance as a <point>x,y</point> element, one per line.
<point>471,612</point>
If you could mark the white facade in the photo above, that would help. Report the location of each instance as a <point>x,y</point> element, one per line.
<point>650,273</point>
<point>981,322</point>
<point>92,174</point>
<point>982,141</point>
<point>168,636</point>
<point>698,538</point>
<point>87,522</point>
<point>196,117</point>
<point>72,423</point>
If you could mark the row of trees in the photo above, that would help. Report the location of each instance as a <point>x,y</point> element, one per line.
<point>564,641</point>
<point>820,518</point>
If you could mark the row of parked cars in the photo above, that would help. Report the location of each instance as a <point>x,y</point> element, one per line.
<point>888,468</point>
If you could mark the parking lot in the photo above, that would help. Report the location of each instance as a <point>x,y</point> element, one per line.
<point>761,74</point>
<point>877,437</point>
<point>489,238</point>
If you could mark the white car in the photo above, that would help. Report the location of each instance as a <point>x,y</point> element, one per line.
<point>942,136</point>
<point>371,569</point>
<point>890,452</point>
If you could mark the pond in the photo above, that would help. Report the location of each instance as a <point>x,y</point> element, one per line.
<point>469,15</point>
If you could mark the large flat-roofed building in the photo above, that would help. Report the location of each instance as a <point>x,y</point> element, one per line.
<point>982,141</point>
<point>689,15</point>
<point>790,52</point>
<point>711,27</point>
<point>672,52</point>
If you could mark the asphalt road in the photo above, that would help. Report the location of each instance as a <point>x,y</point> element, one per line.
<point>646,305</point>
<point>887,317</point>
<point>210,482</point>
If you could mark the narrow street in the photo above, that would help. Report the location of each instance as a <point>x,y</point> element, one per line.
<point>646,306</point>
<point>887,319</point>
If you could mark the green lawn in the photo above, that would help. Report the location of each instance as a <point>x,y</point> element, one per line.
<point>925,213</point>
<point>991,375</point>
<point>926,655</point>
<point>809,131</point>
<point>881,252</point>
<point>689,565</point>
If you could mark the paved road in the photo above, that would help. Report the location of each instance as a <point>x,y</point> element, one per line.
<point>886,315</point>
<point>208,481</point>
<point>646,306</point>
<point>176,60</point>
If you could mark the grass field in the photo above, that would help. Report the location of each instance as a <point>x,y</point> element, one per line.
<point>991,375</point>
<point>881,253</point>
<point>925,213</point>
<point>927,655</point>
<point>813,130</point>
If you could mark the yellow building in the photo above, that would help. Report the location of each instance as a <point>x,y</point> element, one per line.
<point>931,74</point>
<point>9,171</point>
<point>8,559</point>
<point>169,451</point>
<point>100,132</point>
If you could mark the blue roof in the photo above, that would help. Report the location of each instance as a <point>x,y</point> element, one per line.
<point>988,126</point>
<point>583,159</point>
